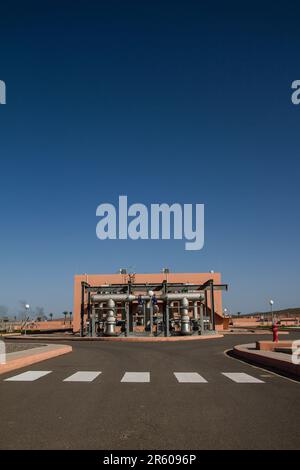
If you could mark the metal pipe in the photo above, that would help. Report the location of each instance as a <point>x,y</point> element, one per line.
<point>115,297</point>
<point>182,295</point>
<point>195,310</point>
<point>185,319</point>
<point>131,297</point>
<point>110,322</point>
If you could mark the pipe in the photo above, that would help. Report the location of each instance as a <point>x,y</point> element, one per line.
<point>195,310</point>
<point>131,297</point>
<point>185,319</point>
<point>115,297</point>
<point>110,319</point>
<point>184,295</point>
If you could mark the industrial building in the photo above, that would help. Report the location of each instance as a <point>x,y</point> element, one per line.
<point>164,304</point>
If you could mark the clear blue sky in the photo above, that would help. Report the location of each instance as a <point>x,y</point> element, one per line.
<point>165,102</point>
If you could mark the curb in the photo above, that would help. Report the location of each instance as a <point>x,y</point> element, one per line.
<point>130,339</point>
<point>280,362</point>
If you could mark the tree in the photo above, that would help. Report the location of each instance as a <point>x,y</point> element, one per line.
<point>51,316</point>
<point>40,314</point>
<point>65,314</point>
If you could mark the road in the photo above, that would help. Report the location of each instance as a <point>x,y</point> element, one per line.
<point>162,413</point>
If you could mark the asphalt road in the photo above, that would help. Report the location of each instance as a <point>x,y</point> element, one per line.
<point>163,414</point>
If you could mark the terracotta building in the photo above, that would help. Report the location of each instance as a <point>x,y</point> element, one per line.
<point>164,303</point>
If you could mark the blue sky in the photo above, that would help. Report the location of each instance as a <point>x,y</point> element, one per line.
<point>162,101</point>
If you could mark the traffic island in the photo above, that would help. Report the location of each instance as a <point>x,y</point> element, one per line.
<point>22,356</point>
<point>275,356</point>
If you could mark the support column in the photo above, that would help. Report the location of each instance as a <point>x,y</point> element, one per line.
<point>167,319</point>
<point>201,318</point>
<point>93,330</point>
<point>82,310</point>
<point>127,319</point>
<point>151,318</point>
<point>212,304</point>
<point>205,305</point>
<point>90,333</point>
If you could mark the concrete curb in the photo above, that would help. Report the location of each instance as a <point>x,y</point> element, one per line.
<point>130,339</point>
<point>274,360</point>
<point>19,359</point>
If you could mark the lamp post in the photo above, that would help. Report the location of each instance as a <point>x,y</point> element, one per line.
<point>27,307</point>
<point>271,302</point>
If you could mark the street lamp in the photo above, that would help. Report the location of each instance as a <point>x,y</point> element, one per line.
<point>166,271</point>
<point>27,307</point>
<point>271,302</point>
<point>225,312</point>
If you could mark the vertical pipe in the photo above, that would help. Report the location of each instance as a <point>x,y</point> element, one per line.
<point>110,322</point>
<point>196,310</point>
<point>185,319</point>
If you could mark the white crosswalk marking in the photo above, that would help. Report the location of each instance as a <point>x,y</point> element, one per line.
<point>136,377</point>
<point>28,376</point>
<point>241,377</point>
<point>83,376</point>
<point>189,377</point>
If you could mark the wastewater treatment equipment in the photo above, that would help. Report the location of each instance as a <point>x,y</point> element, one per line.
<point>148,309</point>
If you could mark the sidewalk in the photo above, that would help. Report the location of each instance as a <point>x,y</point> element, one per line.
<point>280,361</point>
<point>26,357</point>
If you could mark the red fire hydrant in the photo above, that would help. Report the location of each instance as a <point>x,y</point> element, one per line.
<point>275,332</point>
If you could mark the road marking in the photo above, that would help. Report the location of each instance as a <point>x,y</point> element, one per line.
<point>241,377</point>
<point>189,377</point>
<point>82,376</point>
<point>28,376</point>
<point>136,377</point>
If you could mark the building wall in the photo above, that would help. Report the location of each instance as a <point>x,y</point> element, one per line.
<point>102,279</point>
